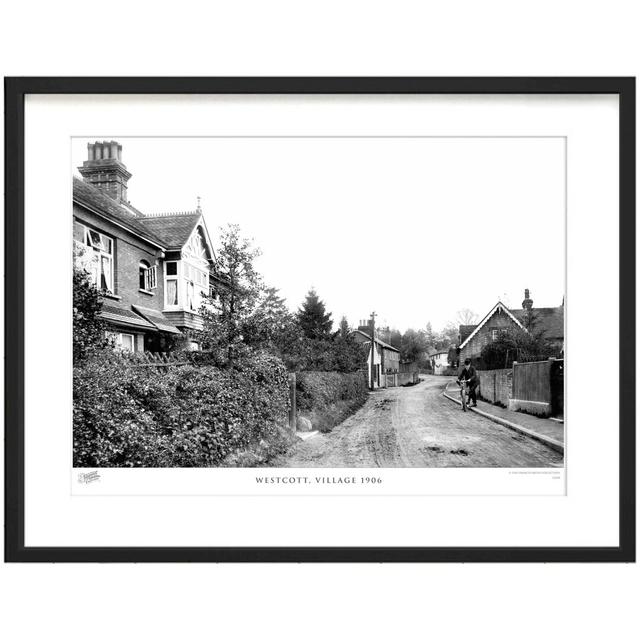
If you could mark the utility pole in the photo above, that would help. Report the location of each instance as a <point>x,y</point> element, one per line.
<point>373,346</point>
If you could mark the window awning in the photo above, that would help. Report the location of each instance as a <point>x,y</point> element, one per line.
<point>157,319</point>
<point>125,317</point>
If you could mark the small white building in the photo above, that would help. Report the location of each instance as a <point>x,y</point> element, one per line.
<point>440,362</point>
<point>386,358</point>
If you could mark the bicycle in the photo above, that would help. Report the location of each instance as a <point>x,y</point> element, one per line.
<point>464,394</point>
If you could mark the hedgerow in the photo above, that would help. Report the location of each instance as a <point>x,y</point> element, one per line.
<point>129,415</point>
<point>328,397</point>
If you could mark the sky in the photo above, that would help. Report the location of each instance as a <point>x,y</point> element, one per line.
<point>414,229</point>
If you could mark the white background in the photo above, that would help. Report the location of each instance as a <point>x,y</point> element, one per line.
<point>372,38</point>
<point>54,517</point>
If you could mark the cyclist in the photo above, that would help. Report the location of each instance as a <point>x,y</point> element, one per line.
<point>469,374</point>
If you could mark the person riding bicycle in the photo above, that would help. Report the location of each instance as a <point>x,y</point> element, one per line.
<point>469,374</point>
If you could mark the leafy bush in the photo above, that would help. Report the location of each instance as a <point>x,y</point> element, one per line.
<point>127,415</point>
<point>515,345</point>
<point>88,328</point>
<point>328,397</point>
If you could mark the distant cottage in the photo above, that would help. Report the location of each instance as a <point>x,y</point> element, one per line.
<point>386,358</point>
<point>151,269</point>
<point>548,321</point>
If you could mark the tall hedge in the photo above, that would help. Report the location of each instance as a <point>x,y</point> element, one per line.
<point>128,415</point>
<point>328,397</point>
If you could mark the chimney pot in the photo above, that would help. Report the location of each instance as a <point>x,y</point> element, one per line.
<point>104,169</point>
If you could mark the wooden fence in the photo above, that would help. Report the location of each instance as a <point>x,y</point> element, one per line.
<point>538,387</point>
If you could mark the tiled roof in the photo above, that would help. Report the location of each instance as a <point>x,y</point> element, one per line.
<point>547,320</point>
<point>120,315</point>
<point>465,331</point>
<point>173,229</point>
<point>380,342</point>
<point>157,318</point>
<point>92,198</point>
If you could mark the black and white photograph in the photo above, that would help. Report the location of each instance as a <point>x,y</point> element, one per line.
<point>318,301</point>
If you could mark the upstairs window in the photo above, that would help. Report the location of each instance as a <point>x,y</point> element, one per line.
<point>148,277</point>
<point>171,284</point>
<point>100,263</point>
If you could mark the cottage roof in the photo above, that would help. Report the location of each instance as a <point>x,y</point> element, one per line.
<point>547,320</point>
<point>497,307</point>
<point>124,216</point>
<point>378,341</point>
<point>466,330</point>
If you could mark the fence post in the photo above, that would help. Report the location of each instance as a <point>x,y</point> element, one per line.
<point>292,402</point>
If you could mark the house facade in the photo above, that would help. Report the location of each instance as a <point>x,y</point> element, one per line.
<point>547,321</point>
<point>439,362</point>
<point>151,269</point>
<point>385,358</point>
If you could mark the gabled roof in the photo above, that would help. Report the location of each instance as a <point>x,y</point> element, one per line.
<point>547,320</point>
<point>465,331</point>
<point>174,229</point>
<point>498,306</point>
<point>378,341</point>
<point>128,217</point>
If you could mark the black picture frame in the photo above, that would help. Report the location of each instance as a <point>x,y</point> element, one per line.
<point>15,91</point>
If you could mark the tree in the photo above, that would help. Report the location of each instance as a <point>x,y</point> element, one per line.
<point>345,330</point>
<point>269,319</point>
<point>313,318</point>
<point>429,335</point>
<point>88,327</point>
<point>414,346</point>
<point>466,316</point>
<point>445,338</point>
<point>227,315</point>
<point>518,345</point>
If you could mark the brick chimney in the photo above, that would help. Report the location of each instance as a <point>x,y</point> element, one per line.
<point>365,326</point>
<point>104,169</point>
<point>527,305</point>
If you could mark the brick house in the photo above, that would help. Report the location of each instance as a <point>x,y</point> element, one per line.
<point>151,269</point>
<point>549,321</point>
<point>386,358</point>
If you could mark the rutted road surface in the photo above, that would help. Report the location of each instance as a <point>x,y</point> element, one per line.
<point>418,427</point>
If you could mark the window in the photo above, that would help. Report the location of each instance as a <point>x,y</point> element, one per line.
<point>100,264</point>
<point>148,279</point>
<point>123,341</point>
<point>194,346</point>
<point>171,284</point>
<point>494,334</point>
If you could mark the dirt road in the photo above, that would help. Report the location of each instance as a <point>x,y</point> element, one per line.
<point>418,427</point>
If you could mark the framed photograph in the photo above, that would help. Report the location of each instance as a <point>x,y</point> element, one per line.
<point>320,319</point>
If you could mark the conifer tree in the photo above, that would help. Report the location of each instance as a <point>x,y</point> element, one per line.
<point>344,327</point>
<point>313,318</point>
